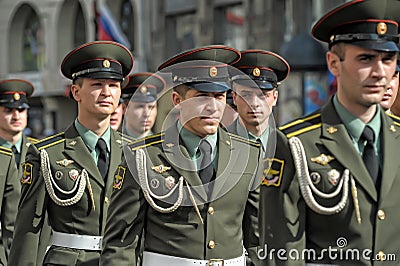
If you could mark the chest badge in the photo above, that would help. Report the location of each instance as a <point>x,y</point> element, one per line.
<point>64,162</point>
<point>322,159</point>
<point>169,182</point>
<point>161,168</point>
<point>73,174</point>
<point>333,176</point>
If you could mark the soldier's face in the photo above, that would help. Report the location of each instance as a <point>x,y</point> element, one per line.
<point>97,97</point>
<point>140,117</point>
<point>362,75</point>
<point>200,112</point>
<point>116,116</point>
<point>391,92</point>
<point>12,121</point>
<point>253,105</point>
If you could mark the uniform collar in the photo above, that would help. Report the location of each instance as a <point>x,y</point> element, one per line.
<point>90,138</point>
<point>192,141</point>
<point>6,144</point>
<point>354,125</point>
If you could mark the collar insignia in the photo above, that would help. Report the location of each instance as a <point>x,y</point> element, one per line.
<point>170,145</point>
<point>331,130</point>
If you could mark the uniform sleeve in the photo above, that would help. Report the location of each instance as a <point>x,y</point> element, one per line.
<point>9,209</point>
<point>31,212</point>
<point>250,219</point>
<point>282,213</point>
<point>125,219</point>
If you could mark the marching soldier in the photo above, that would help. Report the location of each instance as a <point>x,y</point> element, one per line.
<point>14,94</point>
<point>118,115</point>
<point>13,120</point>
<point>140,96</point>
<point>190,187</point>
<point>10,192</point>
<point>69,175</point>
<point>335,195</point>
<point>255,92</point>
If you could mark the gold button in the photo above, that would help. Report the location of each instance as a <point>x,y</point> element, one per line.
<point>211,210</point>
<point>381,255</point>
<point>381,215</point>
<point>211,244</point>
<point>107,200</point>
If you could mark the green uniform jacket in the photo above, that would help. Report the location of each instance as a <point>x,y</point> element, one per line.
<point>10,193</point>
<point>290,222</point>
<point>67,153</point>
<point>46,230</point>
<point>228,220</point>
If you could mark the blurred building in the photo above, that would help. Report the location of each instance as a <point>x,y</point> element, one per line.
<point>36,34</point>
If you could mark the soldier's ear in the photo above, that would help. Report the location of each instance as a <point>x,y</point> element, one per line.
<point>176,99</point>
<point>75,92</point>
<point>333,62</point>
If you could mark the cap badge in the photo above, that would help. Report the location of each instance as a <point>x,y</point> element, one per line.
<point>213,71</point>
<point>256,72</point>
<point>143,89</point>
<point>17,96</point>
<point>106,63</point>
<point>381,28</point>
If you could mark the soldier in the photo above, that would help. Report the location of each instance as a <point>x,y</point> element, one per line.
<point>69,176</point>
<point>14,94</point>
<point>10,191</point>
<point>255,93</point>
<point>140,100</point>
<point>391,92</point>
<point>188,217</point>
<point>118,115</point>
<point>335,198</point>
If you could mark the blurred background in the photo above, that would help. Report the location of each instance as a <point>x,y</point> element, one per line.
<point>35,35</point>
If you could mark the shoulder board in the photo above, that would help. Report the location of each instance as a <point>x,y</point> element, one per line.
<point>6,151</point>
<point>395,119</point>
<point>302,125</point>
<point>32,140</point>
<point>146,141</point>
<point>243,140</point>
<point>50,141</point>
<point>125,137</point>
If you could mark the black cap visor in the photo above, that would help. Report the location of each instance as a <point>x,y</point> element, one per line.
<point>209,86</point>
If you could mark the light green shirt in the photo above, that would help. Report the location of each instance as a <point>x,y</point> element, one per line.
<point>192,142</point>
<point>7,144</point>
<point>263,138</point>
<point>355,127</point>
<point>90,139</point>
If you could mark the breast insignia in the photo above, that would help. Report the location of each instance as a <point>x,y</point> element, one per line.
<point>322,159</point>
<point>161,168</point>
<point>64,162</point>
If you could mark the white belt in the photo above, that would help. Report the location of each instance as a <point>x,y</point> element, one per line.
<point>155,259</point>
<point>76,241</point>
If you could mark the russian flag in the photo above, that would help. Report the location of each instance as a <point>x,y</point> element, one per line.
<point>108,29</point>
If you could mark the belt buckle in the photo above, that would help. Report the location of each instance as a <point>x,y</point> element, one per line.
<point>215,262</point>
